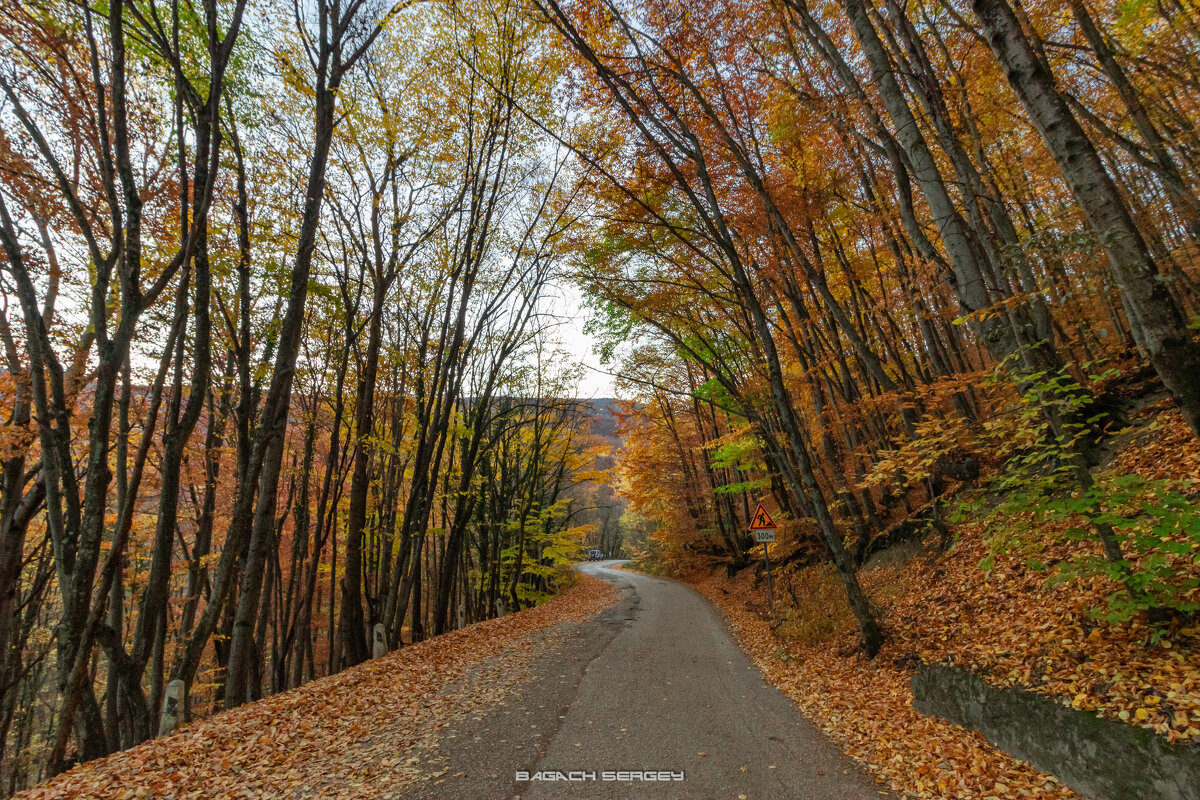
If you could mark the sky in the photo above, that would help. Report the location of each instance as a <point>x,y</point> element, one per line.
<point>566,303</point>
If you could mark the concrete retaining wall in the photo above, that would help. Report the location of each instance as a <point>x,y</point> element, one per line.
<point>1099,758</point>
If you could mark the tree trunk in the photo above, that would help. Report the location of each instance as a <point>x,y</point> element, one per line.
<point>1159,325</point>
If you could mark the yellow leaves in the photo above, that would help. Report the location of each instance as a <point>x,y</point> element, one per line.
<point>592,476</point>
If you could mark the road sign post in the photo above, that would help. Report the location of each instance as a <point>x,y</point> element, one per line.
<point>763,528</point>
<point>770,585</point>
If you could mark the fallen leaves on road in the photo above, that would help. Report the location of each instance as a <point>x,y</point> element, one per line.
<point>365,732</point>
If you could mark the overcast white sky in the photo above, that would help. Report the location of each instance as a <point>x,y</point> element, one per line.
<point>567,305</point>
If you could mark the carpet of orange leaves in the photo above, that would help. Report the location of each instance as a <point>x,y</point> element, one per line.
<point>1006,625</point>
<point>362,733</point>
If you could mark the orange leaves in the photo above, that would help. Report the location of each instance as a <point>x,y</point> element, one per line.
<point>364,732</point>
<point>866,708</point>
<point>1164,449</point>
<point>1007,626</point>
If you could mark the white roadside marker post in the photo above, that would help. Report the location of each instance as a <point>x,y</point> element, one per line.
<point>379,646</point>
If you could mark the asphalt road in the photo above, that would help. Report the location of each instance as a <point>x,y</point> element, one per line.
<point>655,684</point>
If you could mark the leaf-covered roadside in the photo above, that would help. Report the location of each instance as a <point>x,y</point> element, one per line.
<point>1010,624</point>
<point>354,734</point>
<point>866,708</point>
<point>1010,628</point>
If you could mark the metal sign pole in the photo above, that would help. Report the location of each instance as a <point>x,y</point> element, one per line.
<point>770,587</point>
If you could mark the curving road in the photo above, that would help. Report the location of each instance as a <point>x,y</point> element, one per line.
<point>655,684</point>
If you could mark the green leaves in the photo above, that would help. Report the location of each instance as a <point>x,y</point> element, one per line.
<point>610,325</point>
<point>744,486</point>
<point>1156,523</point>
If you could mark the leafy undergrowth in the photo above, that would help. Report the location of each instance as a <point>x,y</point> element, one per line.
<point>1008,625</point>
<point>360,733</point>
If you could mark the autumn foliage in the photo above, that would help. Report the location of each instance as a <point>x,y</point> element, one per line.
<point>922,277</point>
<point>345,736</point>
<point>285,383</point>
<point>282,385</point>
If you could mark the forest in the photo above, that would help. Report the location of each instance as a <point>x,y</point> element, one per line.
<point>285,381</point>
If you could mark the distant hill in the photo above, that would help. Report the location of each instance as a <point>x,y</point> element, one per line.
<point>604,420</point>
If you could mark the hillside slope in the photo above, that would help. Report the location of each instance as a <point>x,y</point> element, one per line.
<point>1008,624</point>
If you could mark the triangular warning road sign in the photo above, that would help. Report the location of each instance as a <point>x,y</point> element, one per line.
<point>761,521</point>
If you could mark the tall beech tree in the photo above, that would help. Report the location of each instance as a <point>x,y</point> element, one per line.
<point>1157,322</point>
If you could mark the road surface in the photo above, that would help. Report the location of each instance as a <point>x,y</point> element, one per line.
<point>656,685</point>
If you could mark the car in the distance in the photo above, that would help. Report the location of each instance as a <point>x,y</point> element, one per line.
<point>595,555</point>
